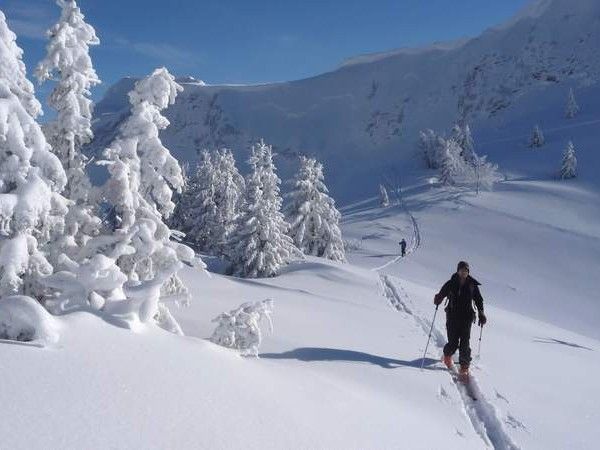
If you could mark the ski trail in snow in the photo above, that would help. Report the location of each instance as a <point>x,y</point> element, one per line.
<point>415,242</point>
<point>481,412</point>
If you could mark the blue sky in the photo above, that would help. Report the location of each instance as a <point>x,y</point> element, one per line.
<point>250,41</point>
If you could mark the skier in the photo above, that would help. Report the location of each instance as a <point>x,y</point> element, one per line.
<point>462,291</point>
<point>403,247</point>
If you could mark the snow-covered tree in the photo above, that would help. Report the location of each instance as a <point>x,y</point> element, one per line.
<point>199,210</point>
<point>240,327</point>
<point>432,148</point>
<point>228,197</point>
<point>13,71</point>
<point>314,219</point>
<point>68,62</point>
<point>572,108</point>
<point>143,176</point>
<point>259,244</point>
<point>537,137</point>
<point>484,173</point>
<point>569,162</point>
<point>210,204</point>
<point>468,145</point>
<point>31,177</point>
<point>384,199</point>
<point>451,163</point>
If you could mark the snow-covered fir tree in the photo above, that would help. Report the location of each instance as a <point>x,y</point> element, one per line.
<point>210,204</point>
<point>259,244</point>
<point>432,148</point>
<point>384,199</point>
<point>198,210</point>
<point>468,145</point>
<point>68,61</point>
<point>31,178</point>
<point>572,108</point>
<point>484,174</point>
<point>143,175</point>
<point>13,71</point>
<point>313,217</point>
<point>451,163</point>
<point>537,137</point>
<point>228,197</point>
<point>569,162</point>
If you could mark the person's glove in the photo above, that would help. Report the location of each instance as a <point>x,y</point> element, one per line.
<point>437,299</point>
<point>482,319</point>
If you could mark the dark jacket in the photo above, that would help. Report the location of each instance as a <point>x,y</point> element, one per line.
<point>460,300</point>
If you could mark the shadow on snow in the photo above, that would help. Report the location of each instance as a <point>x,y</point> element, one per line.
<point>310,354</point>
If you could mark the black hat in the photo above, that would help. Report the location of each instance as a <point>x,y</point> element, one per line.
<point>463,265</point>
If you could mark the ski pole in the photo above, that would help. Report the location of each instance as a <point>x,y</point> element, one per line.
<point>429,337</point>
<point>479,347</point>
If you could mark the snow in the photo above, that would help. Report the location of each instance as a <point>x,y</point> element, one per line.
<point>342,368</point>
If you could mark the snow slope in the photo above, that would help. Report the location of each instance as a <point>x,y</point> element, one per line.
<point>342,369</point>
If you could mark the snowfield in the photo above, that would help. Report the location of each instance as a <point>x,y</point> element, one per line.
<point>342,367</point>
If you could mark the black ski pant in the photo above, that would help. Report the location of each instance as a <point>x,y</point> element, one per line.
<point>458,329</point>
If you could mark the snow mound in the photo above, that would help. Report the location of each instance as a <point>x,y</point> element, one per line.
<point>24,319</point>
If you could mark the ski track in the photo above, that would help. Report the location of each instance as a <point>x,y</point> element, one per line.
<point>481,413</point>
<point>415,242</point>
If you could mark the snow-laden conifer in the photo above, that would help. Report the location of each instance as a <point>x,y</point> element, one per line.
<point>31,178</point>
<point>572,108</point>
<point>569,162</point>
<point>537,137</point>
<point>229,192</point>
<point>259,244</point>
<point>384,199</point>
<point>143,176</point>
<point>68,62</point>
<point>451,164</point>
<point>313,217</point>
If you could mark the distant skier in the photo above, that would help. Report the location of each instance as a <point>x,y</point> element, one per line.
<point>403,247</point>
<point>462,291</point>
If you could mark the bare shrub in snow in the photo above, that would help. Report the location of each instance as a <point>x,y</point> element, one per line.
<point>240,327</point>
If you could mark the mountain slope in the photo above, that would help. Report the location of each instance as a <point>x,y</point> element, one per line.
<point>364,117</point>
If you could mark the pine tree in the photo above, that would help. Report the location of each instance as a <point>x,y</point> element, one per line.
<point>313,216</point>
<point>384,199</point>
<point>143,175</point>
<point>572,108</point>
<point>569,162</point>
<point>201,213</point>
<point>259,243</point>
<point>450,164</point>
<point>537,138</point>
<point>31,178</point>
<point>228,198</point>
<point>68,59</point>
<point>468,146</point>
<point>432,147</point>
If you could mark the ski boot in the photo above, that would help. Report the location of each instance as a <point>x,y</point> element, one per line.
<point>463,373</point>
<point>447,360</point>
